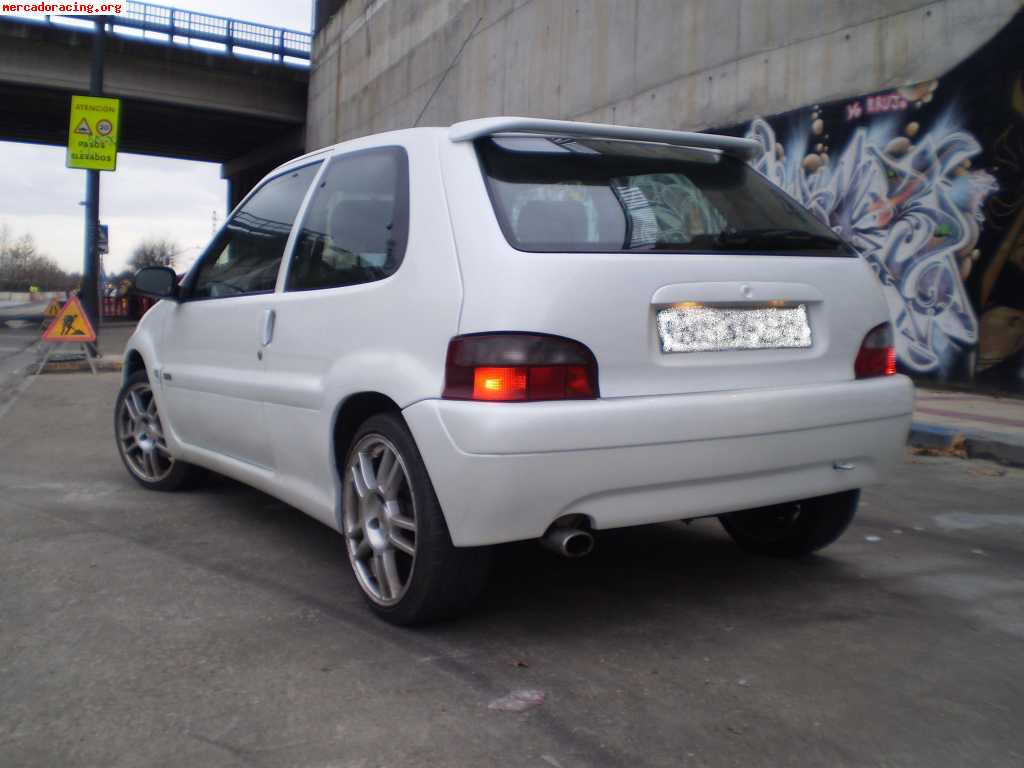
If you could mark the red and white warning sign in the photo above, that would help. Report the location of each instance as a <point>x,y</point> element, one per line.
<point>72,324</point>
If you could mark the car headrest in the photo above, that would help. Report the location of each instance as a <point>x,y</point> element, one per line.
<point>551,222</point>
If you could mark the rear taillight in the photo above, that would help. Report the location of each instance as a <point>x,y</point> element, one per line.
<point>519,367</point>
<point>877,355</point>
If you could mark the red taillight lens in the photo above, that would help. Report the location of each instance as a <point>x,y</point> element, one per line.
<point>877,355</point>
<point>511,367</point>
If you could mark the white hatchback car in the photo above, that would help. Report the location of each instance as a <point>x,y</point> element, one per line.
<point>435,340</point>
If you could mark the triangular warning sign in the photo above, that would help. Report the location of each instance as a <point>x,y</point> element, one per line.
<point>53,308</point>
<point>83,127</point>
<point>71,324</point>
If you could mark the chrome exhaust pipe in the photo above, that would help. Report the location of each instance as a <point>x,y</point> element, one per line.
<point>568,542</point>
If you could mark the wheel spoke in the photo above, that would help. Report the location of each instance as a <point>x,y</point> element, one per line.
<point>405,523</point>
<point>398,543</point>
<point>151,407</point>
<point>390,475</point>
<point>149,464</point>
<point>358,483</point>
<point>132,406</point>
<point>397,520</point>
<point>137,402</point>
<point>391,572</point>
<point>366,470</point>
<point>377,567</point>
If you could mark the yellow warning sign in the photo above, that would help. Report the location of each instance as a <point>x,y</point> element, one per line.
<point>71,324</point>
<point>92,133</point>
<point>53,308</point>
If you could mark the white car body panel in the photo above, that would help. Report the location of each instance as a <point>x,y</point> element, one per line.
<point>509,473</point>
<point>217,388</point>
<point>672,435</point>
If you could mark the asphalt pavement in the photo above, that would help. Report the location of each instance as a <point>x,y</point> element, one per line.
<point>19,329</point>
<point>220,627</point>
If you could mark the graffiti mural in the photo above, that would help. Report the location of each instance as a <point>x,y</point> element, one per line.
<point>927,183</point>
<point>913,210</point>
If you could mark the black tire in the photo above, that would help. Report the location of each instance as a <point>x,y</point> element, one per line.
<point>442,580</point>
<point>179,475</point>
<point>793,529</point>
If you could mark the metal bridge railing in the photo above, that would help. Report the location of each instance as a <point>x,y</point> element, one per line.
<point>180,27</point>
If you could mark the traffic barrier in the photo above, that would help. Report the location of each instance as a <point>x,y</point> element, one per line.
<point>115,308</point>
<point>144,303</point>
<point>131,307</point>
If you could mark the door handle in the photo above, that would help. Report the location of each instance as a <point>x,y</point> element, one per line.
<point>268,326</point>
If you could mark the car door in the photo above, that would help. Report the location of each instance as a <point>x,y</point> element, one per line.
<point>213,375</point>
<point>329,313</point>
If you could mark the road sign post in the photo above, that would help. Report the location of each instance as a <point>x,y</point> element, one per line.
<point>92,144</point>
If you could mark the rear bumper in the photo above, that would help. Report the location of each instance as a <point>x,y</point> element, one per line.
<point>505,472</point>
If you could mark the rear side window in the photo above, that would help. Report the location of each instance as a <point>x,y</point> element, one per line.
<point>246,255</point>
<point>356,225</point>
<point>563,194</point>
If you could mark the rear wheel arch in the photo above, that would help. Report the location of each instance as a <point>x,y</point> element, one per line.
<point>349,416</point>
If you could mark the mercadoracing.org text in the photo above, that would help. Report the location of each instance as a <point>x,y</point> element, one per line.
<point>85,9</point>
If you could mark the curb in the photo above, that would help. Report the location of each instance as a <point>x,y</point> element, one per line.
<point>978,444</point>
<point>81,366</point>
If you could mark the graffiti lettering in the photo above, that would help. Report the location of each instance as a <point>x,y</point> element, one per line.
<point>885,102</point>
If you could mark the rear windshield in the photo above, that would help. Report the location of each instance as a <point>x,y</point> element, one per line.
<point>562,194</point>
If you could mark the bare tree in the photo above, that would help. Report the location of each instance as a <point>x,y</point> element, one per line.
<point>22,266</point>
<point>155,252</point>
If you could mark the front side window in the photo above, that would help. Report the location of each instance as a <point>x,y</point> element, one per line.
<point>356,225</point>
<point>563,194</point>
<point>246,255</point>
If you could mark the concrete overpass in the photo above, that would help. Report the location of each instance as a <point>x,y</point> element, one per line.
<point>213,103</point>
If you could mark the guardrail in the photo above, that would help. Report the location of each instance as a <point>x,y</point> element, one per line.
<point>164,25</point>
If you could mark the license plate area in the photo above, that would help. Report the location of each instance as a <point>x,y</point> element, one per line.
<point>700,327</point>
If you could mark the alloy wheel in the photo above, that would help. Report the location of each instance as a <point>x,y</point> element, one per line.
<point>140,435</point>
<point>380,519</point>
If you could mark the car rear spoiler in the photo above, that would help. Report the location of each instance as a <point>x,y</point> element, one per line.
<point>468,130</point>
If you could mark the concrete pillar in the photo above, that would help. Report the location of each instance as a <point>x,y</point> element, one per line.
<point>244,172</point>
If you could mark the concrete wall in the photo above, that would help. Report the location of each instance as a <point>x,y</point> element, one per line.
<point>663,63</point>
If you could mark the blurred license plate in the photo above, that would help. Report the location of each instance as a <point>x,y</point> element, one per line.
<point>702,328</point>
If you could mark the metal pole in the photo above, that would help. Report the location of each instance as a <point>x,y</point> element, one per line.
<point>91,270</point>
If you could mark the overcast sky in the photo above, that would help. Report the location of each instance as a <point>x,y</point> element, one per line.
<point>145,197</point>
